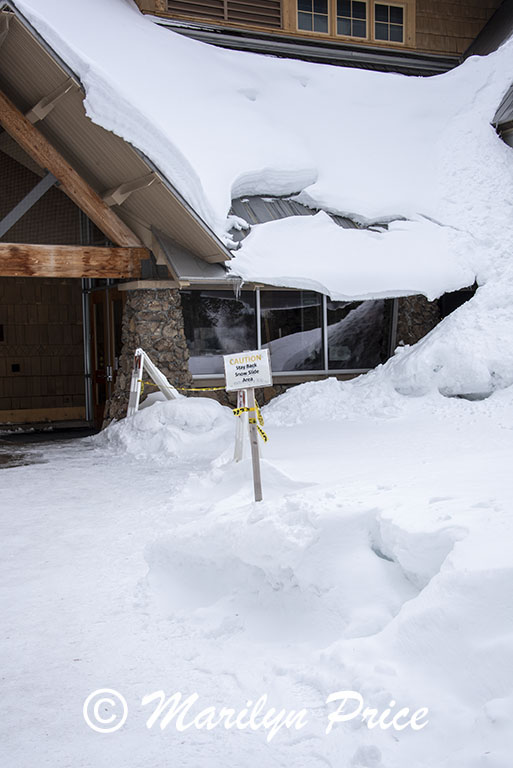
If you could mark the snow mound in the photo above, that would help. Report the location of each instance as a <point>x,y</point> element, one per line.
<point>283,569</point>
<point>195,427</point>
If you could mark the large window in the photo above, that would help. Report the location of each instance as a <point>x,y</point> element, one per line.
<point>358,334</point>
<point>292,329</point>
<point>369,20</point>
<point>217,323</point>
<point>303,330</point>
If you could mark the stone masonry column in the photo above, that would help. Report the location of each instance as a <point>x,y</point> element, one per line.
<point>153,320</point>
<point>416,317</point>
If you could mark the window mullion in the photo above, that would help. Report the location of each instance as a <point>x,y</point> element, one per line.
<point>258,319</point>
<point>325,331</point>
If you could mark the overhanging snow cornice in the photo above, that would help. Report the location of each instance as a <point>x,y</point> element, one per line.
<point>159,205</point>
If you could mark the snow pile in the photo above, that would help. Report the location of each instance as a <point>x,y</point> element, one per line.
<point>287,127</point>
<point>189,426</point>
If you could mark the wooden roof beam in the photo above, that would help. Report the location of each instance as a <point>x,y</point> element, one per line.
<point>26,260</point>
<point>43,153</point>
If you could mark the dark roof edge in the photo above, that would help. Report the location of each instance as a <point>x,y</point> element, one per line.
<point>396,60</point>
<point>495,32</point>
<point>151,165</point>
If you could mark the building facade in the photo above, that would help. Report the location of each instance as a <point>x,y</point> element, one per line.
<point>98,257</point>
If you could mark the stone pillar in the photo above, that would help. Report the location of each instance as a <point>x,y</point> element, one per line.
<point>416,316</point>
<point>153,320</point>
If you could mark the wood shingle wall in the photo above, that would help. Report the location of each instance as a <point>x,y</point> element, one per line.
<point>450,27</point>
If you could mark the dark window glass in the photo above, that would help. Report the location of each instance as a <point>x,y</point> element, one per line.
<point>381,31</point>
<point>217,323</point>
<point>321,6</point>
<point>359,11</point>
<point>344,8</point>
<point>320,23</point>
<point>359,29</point>
<point>396,33</point>
<point>381,12</point>
<point>343,27</point>
<point>396,15</point>
<point>291,324</point>
<point>304,5</point>
<point>304,21</point>
<point>358,333</point>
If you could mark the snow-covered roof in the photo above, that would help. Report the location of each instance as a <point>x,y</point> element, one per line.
<point>223,124</point>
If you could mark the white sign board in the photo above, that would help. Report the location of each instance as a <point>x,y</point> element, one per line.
<point>246,370</point>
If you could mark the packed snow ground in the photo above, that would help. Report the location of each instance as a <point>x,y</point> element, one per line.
<point>379,561</point>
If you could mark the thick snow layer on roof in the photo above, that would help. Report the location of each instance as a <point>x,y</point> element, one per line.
<point>407,258</point>
<point>221,124</point>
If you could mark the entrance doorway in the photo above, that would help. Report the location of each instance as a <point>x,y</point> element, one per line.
<point>106,313</point>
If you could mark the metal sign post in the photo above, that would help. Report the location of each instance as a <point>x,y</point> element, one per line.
<point>244,371</point>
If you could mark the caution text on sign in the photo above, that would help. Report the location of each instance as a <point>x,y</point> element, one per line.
<point>245,370</point>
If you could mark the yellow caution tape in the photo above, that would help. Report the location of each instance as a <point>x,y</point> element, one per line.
<point>240,411</point>
<point>260,430</point>
<point>236,411</point>
<point>182,389</point>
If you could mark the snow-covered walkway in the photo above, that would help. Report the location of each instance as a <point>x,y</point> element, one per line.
<point>379,561</point>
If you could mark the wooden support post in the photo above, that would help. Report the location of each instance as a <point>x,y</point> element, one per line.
<point>240,431</point>
<point>253,439</point>
<point>46,156</point>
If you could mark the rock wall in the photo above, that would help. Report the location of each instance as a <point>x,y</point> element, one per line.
<point>416,316</point>
<point>153,320</point>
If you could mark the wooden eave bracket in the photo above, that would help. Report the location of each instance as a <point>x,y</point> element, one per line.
<point>47,103</point>
<point>37,146</point>
<point>118,195</point>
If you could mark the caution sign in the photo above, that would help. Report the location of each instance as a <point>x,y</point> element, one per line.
<point>247,370</point>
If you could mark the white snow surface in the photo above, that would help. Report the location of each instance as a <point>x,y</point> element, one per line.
<point>221,124</point>
<point>379,561</point>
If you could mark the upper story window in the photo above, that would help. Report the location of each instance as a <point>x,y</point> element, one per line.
<point>389,22</point>
<point>312,15</point>
<point>361,19</point>
<point>352,18</point>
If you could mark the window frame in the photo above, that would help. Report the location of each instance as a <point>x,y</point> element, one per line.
<point>368,7</point>
<point>389,23</point>
<point>313,32</point>
<point>409,16</point>
<point>325,370</point>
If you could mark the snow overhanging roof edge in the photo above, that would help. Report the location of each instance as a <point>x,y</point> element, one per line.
<point>174,215</point>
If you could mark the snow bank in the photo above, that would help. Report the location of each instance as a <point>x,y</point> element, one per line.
<point>194,427</point>
<point>286,127</point>
<point>378,562</point>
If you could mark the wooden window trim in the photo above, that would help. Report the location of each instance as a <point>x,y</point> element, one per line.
<point>353,38</point>
<point>289,13</point>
